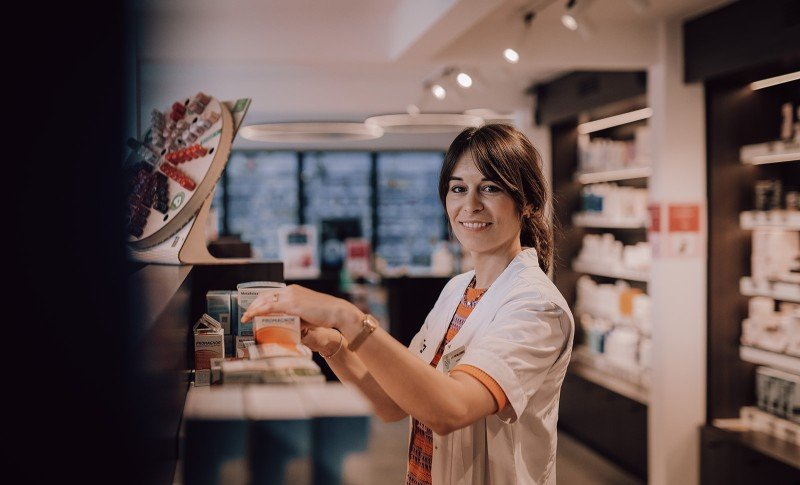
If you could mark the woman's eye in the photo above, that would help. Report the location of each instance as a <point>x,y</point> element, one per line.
<point>491,188</point>
<point>457,189</point>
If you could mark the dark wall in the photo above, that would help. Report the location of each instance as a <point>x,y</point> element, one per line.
<point>67,329</point>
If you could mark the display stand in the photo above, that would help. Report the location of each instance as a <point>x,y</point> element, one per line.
<point>179,236</point>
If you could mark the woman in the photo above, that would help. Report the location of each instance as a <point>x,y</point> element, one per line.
<point>481,379</point>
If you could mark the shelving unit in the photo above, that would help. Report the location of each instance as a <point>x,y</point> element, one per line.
<point>741,128</point>
<point>606,272</point>
<point>614,175</point>
<point>777,290</point>
<point>785,220</point>
<point>588,219</point>
<point>770,359</point>
<point>622,403</point>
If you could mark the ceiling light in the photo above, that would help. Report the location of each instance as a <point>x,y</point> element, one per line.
<point>511,55</point>
<point>610,122</point>
<point>574,17</point>
<point>438,91</point>
<point>311,132</point>
<point>464,79</point>
<point>424,122</point>
<point>765,83</point>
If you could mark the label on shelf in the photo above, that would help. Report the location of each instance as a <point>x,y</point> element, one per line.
<point>685,236</point>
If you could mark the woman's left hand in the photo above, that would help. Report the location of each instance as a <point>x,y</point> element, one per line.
<point>312,307</point>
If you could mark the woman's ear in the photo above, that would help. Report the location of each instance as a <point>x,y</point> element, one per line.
<point>527,211</point>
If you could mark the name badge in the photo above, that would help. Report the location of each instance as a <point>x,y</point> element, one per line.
<point>450,360</point>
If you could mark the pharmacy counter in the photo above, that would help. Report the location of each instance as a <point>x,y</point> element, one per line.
<point>236,432</point>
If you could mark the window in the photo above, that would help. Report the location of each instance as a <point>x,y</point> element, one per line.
<point>262,196</point>
<point>410,215</point>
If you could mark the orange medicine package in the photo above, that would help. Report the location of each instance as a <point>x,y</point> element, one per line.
<point>283,330</point>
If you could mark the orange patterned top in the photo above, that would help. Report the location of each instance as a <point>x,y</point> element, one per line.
<point>420,451</point>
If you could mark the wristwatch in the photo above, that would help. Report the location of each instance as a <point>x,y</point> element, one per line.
<point>368,325</point>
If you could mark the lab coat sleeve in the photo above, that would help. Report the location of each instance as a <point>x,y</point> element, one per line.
<point>518,348</point>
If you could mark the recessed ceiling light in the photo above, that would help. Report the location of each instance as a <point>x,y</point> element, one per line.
<point>424,122</point>
<point>311,132</point>
<point>464,79</point>
<point>438,91</point>
<point>511,55</point>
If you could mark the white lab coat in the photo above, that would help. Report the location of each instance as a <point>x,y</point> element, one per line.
<point>520,334</point>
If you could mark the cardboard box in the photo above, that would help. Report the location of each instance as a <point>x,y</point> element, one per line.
<point>241,344</point>
<point>218,306</point>
<point>209,342</point>
<point>283,330</point>
<point>246,294</point>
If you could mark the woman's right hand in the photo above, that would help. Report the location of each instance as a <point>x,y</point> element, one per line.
<point>326,341</point>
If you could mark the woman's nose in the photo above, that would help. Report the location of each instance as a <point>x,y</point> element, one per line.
<point>472,203</point>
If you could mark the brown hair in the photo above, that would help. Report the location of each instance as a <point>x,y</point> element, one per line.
<point>505,156</point>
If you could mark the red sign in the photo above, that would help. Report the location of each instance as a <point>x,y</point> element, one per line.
<point>684,218</point>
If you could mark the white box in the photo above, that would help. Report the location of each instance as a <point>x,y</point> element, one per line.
<point>218,306</point>
<point>283,330</point>
<point>209,342</point>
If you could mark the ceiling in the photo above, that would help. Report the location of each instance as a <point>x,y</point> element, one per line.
<point>345,60</point>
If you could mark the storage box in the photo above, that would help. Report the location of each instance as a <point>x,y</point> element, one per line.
<point>218,306</point>
<point>778,393</point>
<point>283,330</point>
<point>209,342</point>
<point>247,293</point>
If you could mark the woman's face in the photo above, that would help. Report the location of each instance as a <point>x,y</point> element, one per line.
<point>483,216</point>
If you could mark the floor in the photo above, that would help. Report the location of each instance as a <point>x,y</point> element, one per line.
<point>384,461</point>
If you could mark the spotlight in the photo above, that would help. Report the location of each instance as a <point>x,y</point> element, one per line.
<point>574,17</point>
<point>438,91</point>
<point>511,54</point>
<point>464,79</point>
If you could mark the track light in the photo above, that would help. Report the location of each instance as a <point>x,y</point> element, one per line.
<point>438,91</point>
<point>574,18</point>
<point>511,54</point>
<point>464,80</point>
<point>765,83</point>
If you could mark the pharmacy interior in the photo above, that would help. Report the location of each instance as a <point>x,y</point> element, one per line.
<point>670,132</point>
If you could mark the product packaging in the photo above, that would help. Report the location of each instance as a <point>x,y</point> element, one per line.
<point>778,393</point>
<point>283,330</point>
<point>241,344</point>
<point>247,293</point>
<point>209,342</point>
<point>218,306</point>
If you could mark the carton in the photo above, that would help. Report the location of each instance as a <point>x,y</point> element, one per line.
<point>218,306</point>
<point>246,294</point>
<point>209,342</point>
<point>241,345</point>
<point>283,330</point>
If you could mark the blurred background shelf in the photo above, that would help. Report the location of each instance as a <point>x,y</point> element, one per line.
<point>588,219</point>
<point>772,359</point>
<point>770,152</point>
<point>788,220</point>
<point>586,366</point>
<point>614,175</point>
<point>778,290</point>
<point>625,274</point>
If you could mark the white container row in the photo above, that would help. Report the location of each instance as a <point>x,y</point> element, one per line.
<point>600,154</point>
<point>768,329</point>
<point>603,251</point>
<point>618,304</point>
<point>615,202</point>
<point>775,256</point>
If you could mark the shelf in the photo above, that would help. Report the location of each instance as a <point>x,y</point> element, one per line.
<point>623,274</point>
<point>582,367</point>
<point>789,220</point>
<point>777,290</point>
<point>770,446</point>
<point>770,152</point>
<point>613,175</point>
<point>589,219</point>
<point>784,362</point>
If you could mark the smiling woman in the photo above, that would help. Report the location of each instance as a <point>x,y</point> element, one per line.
<point>482,377</point>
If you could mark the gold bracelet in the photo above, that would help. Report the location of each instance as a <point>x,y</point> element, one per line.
<point>341,341</point>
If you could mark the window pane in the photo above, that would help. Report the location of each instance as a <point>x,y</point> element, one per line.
<point>337,186</point>
<point>262,196</point>
<point>410,215</point>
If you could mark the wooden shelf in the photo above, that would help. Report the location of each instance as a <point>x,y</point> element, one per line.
<point>777,290</point>
<point>775,448</point>
<point>784,362</point>
<point>613,175</point>
<point>632,390</point>
<point>623,274</point>
<point>788,220</point>
<point>770,152</point>
<point>589,219</point>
